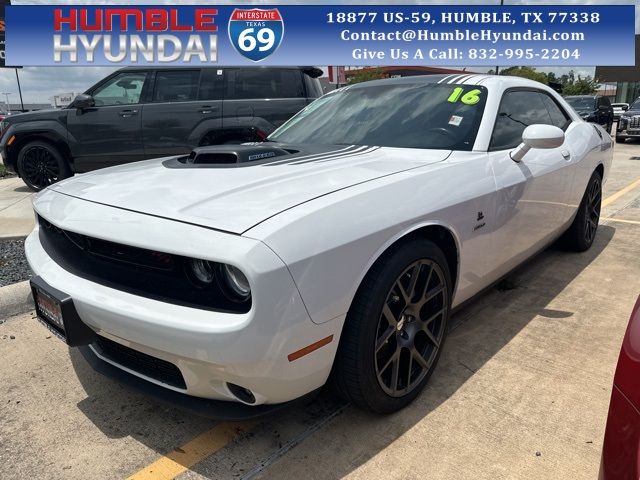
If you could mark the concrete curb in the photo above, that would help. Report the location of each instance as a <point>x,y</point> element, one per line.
<point>15,299</point>
<point>12,237</point>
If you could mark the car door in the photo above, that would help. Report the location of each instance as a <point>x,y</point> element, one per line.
<point>110,132</point>
<point>263,97</point>
<point>532,195</point>
<point>184,106</point>
<point>605,112</point>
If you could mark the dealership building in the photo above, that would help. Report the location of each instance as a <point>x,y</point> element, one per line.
<point>627,79</point>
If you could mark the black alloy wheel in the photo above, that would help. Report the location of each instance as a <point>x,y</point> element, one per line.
<point>592,217</point>
<point>395,328</point>
<point>582,232</point>
<point>40,165</point>
<point>411,328</point>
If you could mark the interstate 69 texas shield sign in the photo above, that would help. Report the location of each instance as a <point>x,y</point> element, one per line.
<point>256,33</point>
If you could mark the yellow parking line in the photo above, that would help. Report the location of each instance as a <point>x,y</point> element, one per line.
<point>611,219</point>
<point>181,459</point>
<point>618,194</point>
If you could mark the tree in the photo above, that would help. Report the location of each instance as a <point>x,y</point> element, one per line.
<point>366,75</point>
<point>526,72</point>
<point>575,86</point>
<point>581,86</point>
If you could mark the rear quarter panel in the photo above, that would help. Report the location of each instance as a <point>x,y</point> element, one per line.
<point>589,150</point>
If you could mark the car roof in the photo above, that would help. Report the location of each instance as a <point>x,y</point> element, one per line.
<point>195,67</point>
<point>492,81</point>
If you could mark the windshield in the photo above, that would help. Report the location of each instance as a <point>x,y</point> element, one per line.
<point>635,105</point>
<point>416,115</point>
<point>581,103</point>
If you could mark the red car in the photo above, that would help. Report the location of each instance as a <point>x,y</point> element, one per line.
<point>620,453</point>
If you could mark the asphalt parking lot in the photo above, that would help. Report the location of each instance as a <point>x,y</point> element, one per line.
<point>521,391</point>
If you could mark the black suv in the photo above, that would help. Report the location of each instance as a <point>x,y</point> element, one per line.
<point>593,108</point>
<point>139,113</point>
<point>629,123</point>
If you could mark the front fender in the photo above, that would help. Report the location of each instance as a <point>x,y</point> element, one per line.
<point>49,130</point>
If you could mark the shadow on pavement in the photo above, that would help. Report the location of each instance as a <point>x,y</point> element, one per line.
<point>480,330</point>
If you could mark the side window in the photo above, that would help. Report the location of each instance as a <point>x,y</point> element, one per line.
<point>211,84</point>
<point>123,89</point>
<point>259,83</point>
<point>176,86</point>
<point>313,87</point>
<point>518,109</point>
<point>559,117</point>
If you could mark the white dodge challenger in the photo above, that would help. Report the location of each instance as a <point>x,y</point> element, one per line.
<point>239,278</point>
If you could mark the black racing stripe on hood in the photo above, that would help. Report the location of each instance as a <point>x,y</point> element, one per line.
<point>297,159</point>
<point>356,153</point>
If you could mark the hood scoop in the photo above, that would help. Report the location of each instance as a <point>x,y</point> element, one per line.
<point>228,156</point>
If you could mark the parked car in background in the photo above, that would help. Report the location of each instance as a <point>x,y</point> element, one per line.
<point>593,108</point>
<point>138,113</point>
<point>248,274</point>
<point>619,109</point>
<point>620,459</point>
<point>629,123</point>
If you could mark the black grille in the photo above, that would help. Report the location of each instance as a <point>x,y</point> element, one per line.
<point>146,273</point>
<point>152,367</point>
<point>634,122</point>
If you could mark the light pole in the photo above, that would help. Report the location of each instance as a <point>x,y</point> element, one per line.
<point>497,66</point>
<point>19,91</point>
<point>6,97</point>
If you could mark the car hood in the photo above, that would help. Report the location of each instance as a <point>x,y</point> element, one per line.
<point>234,198</point>
<point>49,114</point>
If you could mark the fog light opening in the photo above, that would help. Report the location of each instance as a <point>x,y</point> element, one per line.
<point>243,394</point>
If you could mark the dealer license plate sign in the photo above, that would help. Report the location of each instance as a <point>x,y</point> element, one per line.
<point>49,311</point>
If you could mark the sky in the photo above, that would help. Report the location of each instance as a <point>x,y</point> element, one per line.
<point>39,84</point>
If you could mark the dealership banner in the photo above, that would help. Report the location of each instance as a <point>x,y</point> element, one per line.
<point>575,35</point>
<point>3,4</point>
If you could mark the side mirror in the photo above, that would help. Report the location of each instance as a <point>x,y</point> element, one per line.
<point>538,136</point>
<point>625,107</point>
<point>83,101</point>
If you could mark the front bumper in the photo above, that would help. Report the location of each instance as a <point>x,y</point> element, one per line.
<point>628,133</point>
<point>210,349</point>
<point>215,409</point>
<point>628,127</point>
<point>4,152</point>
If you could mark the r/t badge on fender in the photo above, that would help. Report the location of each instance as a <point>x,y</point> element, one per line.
<point>256,33</point>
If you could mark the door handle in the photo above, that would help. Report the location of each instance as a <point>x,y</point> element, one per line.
<point>207,109</point>
<point>127,113</point>
<point>566,154</point>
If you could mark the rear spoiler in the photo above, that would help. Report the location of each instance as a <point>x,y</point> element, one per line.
<point>313,72</point>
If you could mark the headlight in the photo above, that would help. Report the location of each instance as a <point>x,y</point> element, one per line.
<point>228,279</point>
<point>201,271</point>
<point>236,283</point>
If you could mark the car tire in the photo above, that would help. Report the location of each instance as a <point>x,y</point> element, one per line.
<point>40,164</point>
<point>366,365</point>
<point>620,139</point>
<point>580,235</point>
